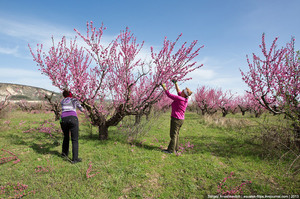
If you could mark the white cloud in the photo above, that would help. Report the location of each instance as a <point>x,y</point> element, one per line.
<point>26,31</point>
<point>217,73</point>
<point>30,30</point>
<point>34,31</point>
<point>9,51</point>
<point>18,73</point>
<point>203,74</point>
<point>223,81</point>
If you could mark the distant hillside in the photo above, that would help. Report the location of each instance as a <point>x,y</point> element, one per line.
<point>23,92</point>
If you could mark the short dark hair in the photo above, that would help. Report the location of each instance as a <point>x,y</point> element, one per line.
<point>66,93</point>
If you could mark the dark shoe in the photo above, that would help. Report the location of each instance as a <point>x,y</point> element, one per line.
<point>166,151</point>
<point>76,161</point>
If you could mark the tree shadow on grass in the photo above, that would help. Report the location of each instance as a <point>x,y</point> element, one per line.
<point>221,146</point>
<point>40,144</point>
<point>146,146</point>
<point>224,146</point>
<point>115,136</point>
<point>46,148</point>
<point>93,139</point>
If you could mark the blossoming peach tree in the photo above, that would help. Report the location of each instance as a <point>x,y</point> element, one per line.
<point>208,99</point>
<point>274,80</point>
<point>109,80</point>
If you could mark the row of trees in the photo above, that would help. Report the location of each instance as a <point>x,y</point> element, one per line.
<point>111,81</point>
<point>211,100</point>
<point>274,85</point>
<point>273,81</point>
<point>97,73</point>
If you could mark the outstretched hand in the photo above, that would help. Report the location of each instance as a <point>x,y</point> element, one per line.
<point>174,79</point>
<point>164,86</point>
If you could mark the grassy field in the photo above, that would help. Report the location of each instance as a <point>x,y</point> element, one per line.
<point>214,156</point>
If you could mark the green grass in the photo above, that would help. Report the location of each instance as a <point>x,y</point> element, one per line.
<point>139,169</point>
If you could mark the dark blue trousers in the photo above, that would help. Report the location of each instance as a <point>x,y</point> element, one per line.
<point>70,124</point>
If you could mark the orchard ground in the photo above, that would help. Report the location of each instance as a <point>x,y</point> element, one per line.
<point>212,150</point>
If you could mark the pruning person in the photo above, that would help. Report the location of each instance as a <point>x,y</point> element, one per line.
<point>179,105</point>
<point>69,123</point>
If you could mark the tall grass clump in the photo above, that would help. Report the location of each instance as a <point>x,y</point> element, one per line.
<point>215,120</point>
<point>131,130</point>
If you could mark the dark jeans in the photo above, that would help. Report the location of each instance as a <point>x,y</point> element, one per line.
<point>174,134</point>
<point>70,124</point>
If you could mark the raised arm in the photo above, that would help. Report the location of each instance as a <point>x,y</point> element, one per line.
<point>177,88</point>
<point>171,96</point>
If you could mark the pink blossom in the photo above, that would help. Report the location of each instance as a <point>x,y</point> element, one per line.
<point>223,189</point>
<point>89,170</point>
<point>115,72</point>
<point>274,79</point>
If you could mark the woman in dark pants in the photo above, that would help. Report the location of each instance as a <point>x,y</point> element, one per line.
<point>69,123</point>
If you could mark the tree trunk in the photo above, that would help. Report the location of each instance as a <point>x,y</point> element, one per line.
<point>243,113</point>
<point>138,119</point>
<point>148,116</point>
<point>113,121</point>
<point>257,114</point>
<point>296,127</point>
<point>103,132</point>
<point>203,111</point>
<point>57,116</point>
<point>224,114</point>
<point>148,112</point>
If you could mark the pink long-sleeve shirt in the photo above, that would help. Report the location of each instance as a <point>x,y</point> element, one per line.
<point>179,105</point>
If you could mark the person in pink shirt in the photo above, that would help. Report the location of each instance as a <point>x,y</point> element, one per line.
<point>179,104</point>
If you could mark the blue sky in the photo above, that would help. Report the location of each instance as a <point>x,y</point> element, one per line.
<point>229,30</point>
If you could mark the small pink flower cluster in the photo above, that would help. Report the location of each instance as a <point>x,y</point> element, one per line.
<point>237,190</point>
<point>22,122</point>
<point>181,150</point>
<point>7,122</point>
<point>35,111</point>
<point>132,147</point>
<point>40,169</point>
<point>46,127</point>
<point>88,171</point>
<point>8,159</point>
<point>18,189</point>
<point>189,145</point>
<point>43,169</point>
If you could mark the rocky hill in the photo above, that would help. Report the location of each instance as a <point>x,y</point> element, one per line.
<point>22,92</point>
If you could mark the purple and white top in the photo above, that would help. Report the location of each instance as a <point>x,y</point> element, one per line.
<point>69,106</point>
